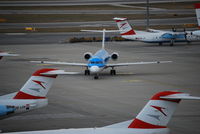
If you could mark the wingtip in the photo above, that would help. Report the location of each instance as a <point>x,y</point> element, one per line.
<point>164,62</point>
<point>37,61</point>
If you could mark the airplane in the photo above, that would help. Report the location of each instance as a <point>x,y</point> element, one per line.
<point>152,119</point>
<point>97,62</point>
<point>31,96</point>
<point>189,35</point>
<point>152,35</point>
<point>196,32</point>
<point>2,54</point>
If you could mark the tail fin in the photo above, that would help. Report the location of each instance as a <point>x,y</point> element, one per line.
<point>104,31</point>
<point>124,26</point>
<point>38,84</point>
<point>159,110</point>
<point>197,7</point>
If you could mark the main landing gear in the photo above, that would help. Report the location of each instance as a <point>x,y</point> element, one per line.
<point>112,71</point>
<point>96,76</point>
<point>87,72</point>
<point>172,43</point>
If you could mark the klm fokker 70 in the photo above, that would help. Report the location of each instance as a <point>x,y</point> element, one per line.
<point>99,61</point>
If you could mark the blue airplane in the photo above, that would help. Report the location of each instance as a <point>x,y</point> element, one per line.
<point>99,61</point>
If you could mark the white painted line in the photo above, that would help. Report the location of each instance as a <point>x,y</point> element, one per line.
<point>15,33</point>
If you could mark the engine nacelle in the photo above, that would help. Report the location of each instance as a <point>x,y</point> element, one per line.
<point>87,55</point>
<point>114,56</point>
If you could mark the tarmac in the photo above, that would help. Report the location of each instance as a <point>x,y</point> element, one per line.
<point>78,101</point>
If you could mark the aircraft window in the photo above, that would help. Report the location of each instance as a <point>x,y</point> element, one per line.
<point>96,62</point>
<point>10,106</point>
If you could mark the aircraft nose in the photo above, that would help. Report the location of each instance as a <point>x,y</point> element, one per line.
<point>94,69</point>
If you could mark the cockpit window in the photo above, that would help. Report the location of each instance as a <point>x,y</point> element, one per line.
<point>96,62</point>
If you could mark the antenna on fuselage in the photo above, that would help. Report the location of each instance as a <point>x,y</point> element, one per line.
<point>104,34</point>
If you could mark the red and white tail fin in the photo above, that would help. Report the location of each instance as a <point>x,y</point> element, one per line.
<point>38,84</point>
<point>159,110</point>
<point>197,7</point>
<point>124,27</point>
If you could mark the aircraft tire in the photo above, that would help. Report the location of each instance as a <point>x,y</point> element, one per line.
<point>87,72</point>
<point>96,77</point>
<point>112,72</point>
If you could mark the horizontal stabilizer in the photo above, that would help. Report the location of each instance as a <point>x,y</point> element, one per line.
<point>101,31</point>
<point>58,72</point>
<point>181,96</point>
<point>119,19</point>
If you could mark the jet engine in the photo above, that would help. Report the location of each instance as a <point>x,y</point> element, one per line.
<point>87,55</point>
<point>114,56</point>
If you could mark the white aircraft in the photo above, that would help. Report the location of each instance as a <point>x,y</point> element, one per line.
<point>152,119</point>
<point>152,35</point>
<point>196,32</point>
<point>31,96</point>
<point>2,54</point>
<point>97,62</point>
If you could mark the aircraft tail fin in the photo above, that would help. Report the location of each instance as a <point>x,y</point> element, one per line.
<point>104,31</point>
<point>159,110</point>
<point>197,7</point>
<point>124,27</point>
<point>38,84</point>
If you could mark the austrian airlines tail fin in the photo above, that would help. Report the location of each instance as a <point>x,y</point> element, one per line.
<point>159,110</point>
<point>38,84</point>
<point>197,7</point>
<point>124,27</point>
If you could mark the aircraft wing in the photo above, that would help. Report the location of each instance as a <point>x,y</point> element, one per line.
<point>137,63</point>
<point>60,63</point>
<point>7,54</point>
<point>155,30</point>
